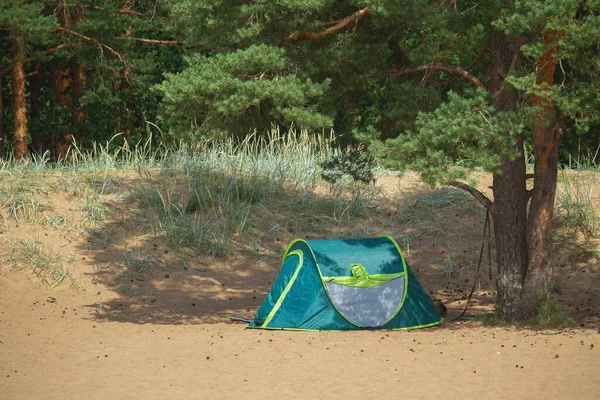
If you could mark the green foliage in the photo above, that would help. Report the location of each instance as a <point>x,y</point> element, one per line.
<point>351,162</point>
<point>460,135</point>
<point>221,94</point>
<point>548,315</point>
<point>27,19</point>
<point>219,68</point>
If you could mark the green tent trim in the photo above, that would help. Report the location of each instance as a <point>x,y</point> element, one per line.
<point>366,286</point>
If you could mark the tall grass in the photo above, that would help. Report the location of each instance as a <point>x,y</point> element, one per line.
<point>208,195</point>
<point>574,204</point>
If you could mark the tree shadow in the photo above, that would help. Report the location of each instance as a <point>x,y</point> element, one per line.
<point>151,283</point>
<point>183,294</point>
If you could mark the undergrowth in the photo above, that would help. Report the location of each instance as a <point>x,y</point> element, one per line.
<point>29,254</point>
<point>547,314</point>
<point>575,208</point>
<point>210,196</point>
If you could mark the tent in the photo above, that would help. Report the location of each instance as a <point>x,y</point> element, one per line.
<point>345,284</point>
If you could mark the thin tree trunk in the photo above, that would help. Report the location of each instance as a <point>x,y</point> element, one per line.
<point>79,82</point>
<point>1,123</point>
<point>19,99</point>
<point>546,136</point>
<point>61,82</point>
<point>510,190</point>
<point>39,142</point>
<point>68,81</point>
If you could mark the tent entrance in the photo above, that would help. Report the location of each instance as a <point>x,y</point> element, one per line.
<point>368,307</point>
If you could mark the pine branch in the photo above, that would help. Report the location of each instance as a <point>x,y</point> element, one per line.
<point>101,46</point>
<point>468,67</point>
<point>125,11</point>
<point>306,36</point>
<point>151,41</point>
<point>485,50</point>
<point>482,198</point>
<point>439,66</point>
<point>8,69</point>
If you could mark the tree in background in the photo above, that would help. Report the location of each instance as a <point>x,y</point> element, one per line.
<point>23,24</point>
<point>82,70</point>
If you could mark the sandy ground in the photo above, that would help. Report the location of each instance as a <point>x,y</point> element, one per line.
<point>169,343</point>
<point>54,346</point>
<point>165,332</point>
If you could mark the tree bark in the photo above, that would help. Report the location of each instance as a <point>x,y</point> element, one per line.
<point>546,137</point>
<point>523,235</point>
<point>68,81</point>
<point>79,79</point>
<point>39,140</point>
<point>306,36</point>
<point>61,82</point>
<point>510,190</point>
<point>1,123</point>
<point>19,99</point>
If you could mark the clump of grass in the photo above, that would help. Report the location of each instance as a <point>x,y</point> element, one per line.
<point>492,319</point>
<point>423,206</point>
<point>202,211</point>
<point>22,196</point>
<point>94,209</point>
<point>418,214</point>
<point>548,315</point>
<point>134,265</point>
<point>29,254</point>
<point>208,198</point>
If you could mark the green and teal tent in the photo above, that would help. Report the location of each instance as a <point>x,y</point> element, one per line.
<point>345,284</point>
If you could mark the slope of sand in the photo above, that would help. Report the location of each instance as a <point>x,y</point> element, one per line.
<point>164,332</point>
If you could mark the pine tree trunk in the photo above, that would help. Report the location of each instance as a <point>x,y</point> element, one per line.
<point>523,236</point>
<point>2,144</point>
<point>510,223</point>
<point>546,136</point>
<point>68,81</point>
<point>61,82</point>
<point>18,99</point>
<point>39,143</point>
<point>510,190</point>
<point>79,82</point>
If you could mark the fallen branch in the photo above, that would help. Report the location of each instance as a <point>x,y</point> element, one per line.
<point>439,66</point>
<point>305,36</point>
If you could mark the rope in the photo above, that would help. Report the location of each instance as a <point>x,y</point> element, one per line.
<point>486,229</point>
<point>240,319</point>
